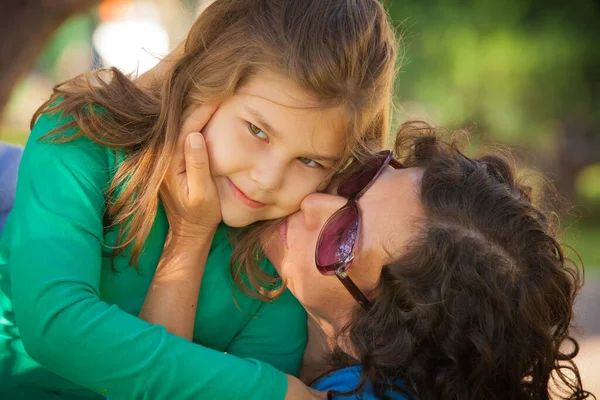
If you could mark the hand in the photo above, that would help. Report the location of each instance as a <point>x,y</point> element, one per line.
<point>299,391</point>
<point>188,192</point>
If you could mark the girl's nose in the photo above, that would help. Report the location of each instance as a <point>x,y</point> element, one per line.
<point>268,173</point>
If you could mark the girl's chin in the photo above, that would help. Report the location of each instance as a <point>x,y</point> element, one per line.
<point>235,219</point>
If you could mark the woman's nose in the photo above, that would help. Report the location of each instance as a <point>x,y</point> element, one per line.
<point>318,207</point>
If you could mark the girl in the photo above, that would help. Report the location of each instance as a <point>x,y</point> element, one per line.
<point>301,87</point>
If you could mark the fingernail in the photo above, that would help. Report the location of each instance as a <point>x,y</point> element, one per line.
<point>196,141</point>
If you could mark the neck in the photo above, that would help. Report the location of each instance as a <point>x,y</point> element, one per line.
<point>321,342</point>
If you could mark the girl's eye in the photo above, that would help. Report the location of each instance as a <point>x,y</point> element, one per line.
<point>256,131</point>
<point>309,162</point>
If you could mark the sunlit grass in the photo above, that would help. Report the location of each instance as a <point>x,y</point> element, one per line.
<point>585,239</point>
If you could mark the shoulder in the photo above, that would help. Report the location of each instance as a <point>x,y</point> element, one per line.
<point>346,380</point>
<point>55,144</point>
<point>54,127</point>
<point>285,308</point>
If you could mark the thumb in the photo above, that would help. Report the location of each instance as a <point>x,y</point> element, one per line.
<point>196,164</point>
<point>194,122</point>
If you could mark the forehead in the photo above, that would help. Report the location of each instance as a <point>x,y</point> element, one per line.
<point>390,210</point>
<point>293,110</point>
<point>279,90</point>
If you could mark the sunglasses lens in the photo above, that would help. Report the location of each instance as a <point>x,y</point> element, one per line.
<point>360,179</point>
<point>337,239</point>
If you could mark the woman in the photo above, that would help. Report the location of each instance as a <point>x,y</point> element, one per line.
<point>450,282</point>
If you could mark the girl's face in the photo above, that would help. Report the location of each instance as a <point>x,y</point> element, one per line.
<point>270,145</point>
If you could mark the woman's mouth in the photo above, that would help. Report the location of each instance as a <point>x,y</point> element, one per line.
<point>241,196</point>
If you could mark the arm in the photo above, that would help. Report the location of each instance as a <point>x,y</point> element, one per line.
<point>62,321</point>
<point>299,391</point>
<point>192,206</point>
<point>172,298</point>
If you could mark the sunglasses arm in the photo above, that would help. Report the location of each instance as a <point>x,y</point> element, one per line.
<point>353,289</point>
<point>396,164</point>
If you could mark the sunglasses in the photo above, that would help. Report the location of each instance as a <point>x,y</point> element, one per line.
<point>336,245</point>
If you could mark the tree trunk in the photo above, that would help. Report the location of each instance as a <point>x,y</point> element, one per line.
<point>579,147</point>
<point>26,26</point>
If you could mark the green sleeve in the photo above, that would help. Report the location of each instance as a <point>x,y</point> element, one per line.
<point>273,321</point>
<point>55,263</point>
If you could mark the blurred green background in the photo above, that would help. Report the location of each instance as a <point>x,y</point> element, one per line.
<point>524,73</point>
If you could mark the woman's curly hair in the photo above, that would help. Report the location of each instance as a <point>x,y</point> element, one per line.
<point>479,306</point>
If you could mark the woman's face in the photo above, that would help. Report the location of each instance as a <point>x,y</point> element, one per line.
<point>269,146</point>
<point>389,209</point>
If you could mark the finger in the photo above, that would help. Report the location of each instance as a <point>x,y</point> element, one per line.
<point>195,121</point>
<point>196,165</point>
<point>198,118</point>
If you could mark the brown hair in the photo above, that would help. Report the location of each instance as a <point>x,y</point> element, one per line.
<point>341,51</point>
<point>479,306</point>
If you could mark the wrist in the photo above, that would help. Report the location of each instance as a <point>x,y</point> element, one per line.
<point>183,255</point>
<point>192,230</point>
<point>190,239</point>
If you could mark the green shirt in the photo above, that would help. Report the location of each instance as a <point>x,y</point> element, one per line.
<point>68,323</point>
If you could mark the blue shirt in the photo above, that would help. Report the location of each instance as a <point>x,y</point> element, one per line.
<point>10,156</point>
<point>346,380</point>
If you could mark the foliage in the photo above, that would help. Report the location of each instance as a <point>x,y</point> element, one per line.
<point>525,72</point>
